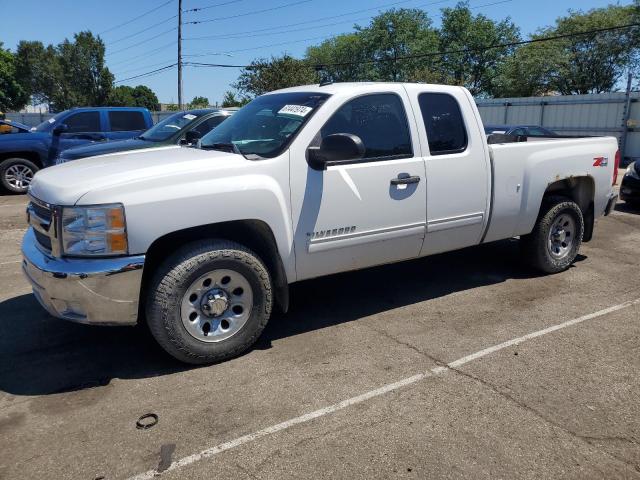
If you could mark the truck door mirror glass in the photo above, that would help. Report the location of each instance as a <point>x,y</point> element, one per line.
<point>60,129</point>
<point>192,137</point>
<point>334,148</point>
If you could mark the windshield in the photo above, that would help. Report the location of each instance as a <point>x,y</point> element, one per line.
<point>265,127</point>
<point>168,127</point>
<point>47,124</point>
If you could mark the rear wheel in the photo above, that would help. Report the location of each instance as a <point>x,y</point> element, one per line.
<point>555,240</point>
<point>16,174</point>
<point>209,302</point>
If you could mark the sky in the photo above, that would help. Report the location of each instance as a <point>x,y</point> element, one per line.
<point>238,31</point>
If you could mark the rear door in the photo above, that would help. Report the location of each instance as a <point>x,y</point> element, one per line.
<point>457,167</point>
<point>356,214</point>
<point>123,124</point>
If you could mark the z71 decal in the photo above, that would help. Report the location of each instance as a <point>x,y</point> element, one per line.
<point>601,161</point>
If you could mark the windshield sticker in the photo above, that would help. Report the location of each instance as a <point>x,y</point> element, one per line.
<point>51,120</point>
<point>189,116</point>
<point>296,110</point>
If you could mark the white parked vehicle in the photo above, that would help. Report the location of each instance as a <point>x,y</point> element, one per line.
<point>300,183</point>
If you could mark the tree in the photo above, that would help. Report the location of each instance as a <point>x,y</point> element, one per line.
<point>37,70</point>
<point>262,75</point>
<point>395,34</point>
<point>12,95</point>
<point>338,58</point>
<point>199,102</point>
<point>230,100</point>
<point>122,96</point>
<point>465,37</point>
<point>145,97</point>
<point>172,107</point>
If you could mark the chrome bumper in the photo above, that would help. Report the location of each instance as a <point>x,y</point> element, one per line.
<point>100,291</point>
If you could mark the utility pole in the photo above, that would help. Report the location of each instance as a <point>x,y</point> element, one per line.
<point>180,54</point>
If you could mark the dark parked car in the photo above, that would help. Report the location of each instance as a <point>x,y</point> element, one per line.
<point>182,128</point>
<point>23,154</point>
<point>526,130</point>
<point>630,186</point>
<point>9,126</point>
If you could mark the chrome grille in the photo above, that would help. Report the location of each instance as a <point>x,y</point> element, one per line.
<point>42,218</point>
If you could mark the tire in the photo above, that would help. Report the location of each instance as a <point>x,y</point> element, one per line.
<point>16,174</point>
<point>547,252</point>
<point>179,322</point>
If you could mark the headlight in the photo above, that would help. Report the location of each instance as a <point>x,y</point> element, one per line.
<point>632,172</point>
<point>96,230</point>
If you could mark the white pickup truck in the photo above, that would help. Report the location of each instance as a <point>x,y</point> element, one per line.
<point>201,242</point>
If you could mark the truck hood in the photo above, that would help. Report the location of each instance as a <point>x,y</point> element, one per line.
<point>103,148</point>
<point>65,184</point>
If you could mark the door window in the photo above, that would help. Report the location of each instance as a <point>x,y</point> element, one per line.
<point>123,121</point>
<point>209,124</point>
<point>443,122</point>
<point>379,120</point>
<point>83,122</point>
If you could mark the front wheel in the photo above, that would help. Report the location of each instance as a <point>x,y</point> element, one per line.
<point>16,174</point>
<point>209,302</point>
<point>555,240</point>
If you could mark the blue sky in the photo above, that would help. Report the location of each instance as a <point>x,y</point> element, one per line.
<point>132,51</point>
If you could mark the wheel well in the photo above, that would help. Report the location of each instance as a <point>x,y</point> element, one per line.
<point>34,157</point>
<point>581,190</point>
<point>253,234</point>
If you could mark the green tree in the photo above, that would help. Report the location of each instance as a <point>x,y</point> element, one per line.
<point>145,97</point>
<point>122,96</point>
<point>337,57</point>
<point>12,95</point>
<point>230,100</point>
<point>395,34</point>
<point>262,75</point>
<point>466,37</point>
<point>37,70</point>
<point>172,107</point>
<point>199,102</point>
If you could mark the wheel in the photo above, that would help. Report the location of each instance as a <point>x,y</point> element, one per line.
<point>209,302</point>
<point>16,174</point>
<point>555,240</point>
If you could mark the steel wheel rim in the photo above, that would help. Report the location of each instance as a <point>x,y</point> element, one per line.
<point>562,236</point>
<point>216,305</point>
<point>19,176</point>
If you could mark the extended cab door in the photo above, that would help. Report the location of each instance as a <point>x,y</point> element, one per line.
<point>457,165</point>
<point>362,212</point>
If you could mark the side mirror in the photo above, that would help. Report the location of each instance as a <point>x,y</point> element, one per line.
<point>192,137</point>
<point>335,149</point>
<point>60,129</point>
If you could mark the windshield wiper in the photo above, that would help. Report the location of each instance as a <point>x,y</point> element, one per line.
<point>225,147</point>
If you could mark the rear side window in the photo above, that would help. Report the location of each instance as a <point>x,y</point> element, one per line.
<point>83,122</point>
<point>379,120</point>
<point>126,121</point>
<point>444,124</point>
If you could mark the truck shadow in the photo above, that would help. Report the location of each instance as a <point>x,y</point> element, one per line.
<point>40,355</point>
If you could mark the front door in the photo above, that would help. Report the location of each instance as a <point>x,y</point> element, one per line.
<point>369,211</point>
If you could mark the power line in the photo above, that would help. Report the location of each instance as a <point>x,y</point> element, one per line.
<point>119,74</point>
<point>255,32</point>
<point>146,40</point>
<point>448,52</point>
<point>145,54</point>
<point>212,6</point>
<point>136,18</point>
<point>152,72</point>
<point>142,31</point>
<point>255,12</point>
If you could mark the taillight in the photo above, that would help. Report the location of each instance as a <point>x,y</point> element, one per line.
<point>616,165</point>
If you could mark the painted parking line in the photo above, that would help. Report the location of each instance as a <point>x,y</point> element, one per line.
<point>215,450</point>
<point>10,263</point>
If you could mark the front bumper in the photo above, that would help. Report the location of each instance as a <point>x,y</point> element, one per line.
<point>101,291</point>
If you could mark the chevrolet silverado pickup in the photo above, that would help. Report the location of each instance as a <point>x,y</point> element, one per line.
<point>201,243</point>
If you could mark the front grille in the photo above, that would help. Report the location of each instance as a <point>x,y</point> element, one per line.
<point>41,218</point>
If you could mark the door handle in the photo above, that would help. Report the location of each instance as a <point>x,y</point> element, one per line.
<point>405,180</point>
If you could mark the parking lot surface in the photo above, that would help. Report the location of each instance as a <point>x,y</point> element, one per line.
<point>444,367</point>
